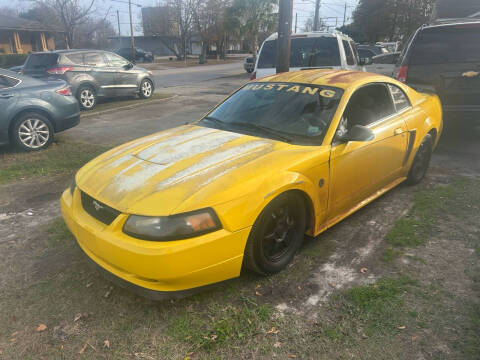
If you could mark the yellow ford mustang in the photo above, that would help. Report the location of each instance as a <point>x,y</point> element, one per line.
<point>287,155</point>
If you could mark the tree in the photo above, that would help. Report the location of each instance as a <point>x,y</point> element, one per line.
<point>254,19</point>
<point>70,14</point>
<point>390,20</point>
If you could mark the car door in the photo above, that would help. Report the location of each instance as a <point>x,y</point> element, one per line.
<point>104,76</point>
<point>8,99</point>
<point>125,74</point>
<point>360,169</point>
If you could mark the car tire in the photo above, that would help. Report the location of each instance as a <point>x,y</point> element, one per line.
<point>276,235</point>
<point>32,132</point>
<point>87,97</point>
<point>421,161</point>
<point>146,89</point>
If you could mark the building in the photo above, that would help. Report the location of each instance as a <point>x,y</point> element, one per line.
<point>21,36</point>
<point>446,9</point>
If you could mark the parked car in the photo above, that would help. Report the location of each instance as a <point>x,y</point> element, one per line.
<point>33,110</point>
<point>249,64</point>
<point>393,46</point>
<point>369,51</point>
<point>92,74</point>
<point>383,64</point>
<point>141,55</point>
<point>278,159</point>
<point>444,57</point>
<point>310,50</point>
<point>17,69</point>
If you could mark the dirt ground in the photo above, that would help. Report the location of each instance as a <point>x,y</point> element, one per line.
<point>397,280</point>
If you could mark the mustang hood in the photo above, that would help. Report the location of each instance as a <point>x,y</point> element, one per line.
<point>155,174</point>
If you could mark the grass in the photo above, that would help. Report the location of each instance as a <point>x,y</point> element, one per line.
<point>59,158</point>
<point>113,103</point>
<point>58,233</point>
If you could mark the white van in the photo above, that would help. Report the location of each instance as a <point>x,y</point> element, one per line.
<point>310,50</point>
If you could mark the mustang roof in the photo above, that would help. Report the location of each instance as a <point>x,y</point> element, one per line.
<point>327,77</point>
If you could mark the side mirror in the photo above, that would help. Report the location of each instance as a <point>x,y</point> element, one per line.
<point>366,61</point>
<point>128,66</point>
<point>358,133</point>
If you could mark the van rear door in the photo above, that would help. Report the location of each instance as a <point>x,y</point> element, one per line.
<point>447,58</point>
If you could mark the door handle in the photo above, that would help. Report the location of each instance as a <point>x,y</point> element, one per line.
<point>398,131</point>
<point>6,96</point>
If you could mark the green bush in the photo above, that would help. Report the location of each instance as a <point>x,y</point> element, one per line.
<point>9,60</point>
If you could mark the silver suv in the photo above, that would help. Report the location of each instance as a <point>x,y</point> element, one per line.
<point>92,74</point>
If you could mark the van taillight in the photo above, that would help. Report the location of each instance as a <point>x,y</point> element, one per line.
<point>59,70</point>
<point>253,76</point>
<point>402,74</point>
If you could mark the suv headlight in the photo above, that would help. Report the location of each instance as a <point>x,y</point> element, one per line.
<point>175,227</point>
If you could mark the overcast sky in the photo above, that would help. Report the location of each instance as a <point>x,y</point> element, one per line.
<point>304,9</point>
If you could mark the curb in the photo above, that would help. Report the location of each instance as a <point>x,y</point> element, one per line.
<point>126,107</point>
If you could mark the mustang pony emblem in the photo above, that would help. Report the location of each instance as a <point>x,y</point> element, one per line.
<point>97,206</point>
<point>471,74</point>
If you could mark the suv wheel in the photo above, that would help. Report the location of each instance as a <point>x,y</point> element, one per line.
<point>87,97</point>
<point>32,131</point>
<point>146,89</point>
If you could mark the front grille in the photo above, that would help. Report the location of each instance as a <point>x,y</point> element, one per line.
<point>99,210</point>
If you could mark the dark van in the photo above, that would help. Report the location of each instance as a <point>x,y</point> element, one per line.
<point>444,57</point>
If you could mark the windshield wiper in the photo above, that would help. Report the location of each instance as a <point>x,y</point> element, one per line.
<point>265,130</point>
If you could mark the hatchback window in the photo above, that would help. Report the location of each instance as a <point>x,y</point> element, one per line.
<point>348,53</point>
<point>368,105</point>
<point>298,112</point>
<point>304,52</point>
<point>399,98</point>
<point>71,59</point>
<point>8,82</point>
<point>447,44</point>
<point>93,59</point>
<point>41,61</point>
<point>115,60</point>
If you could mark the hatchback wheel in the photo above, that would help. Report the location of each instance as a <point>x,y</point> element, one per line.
<point>87,97</point>
<point>32,132</point>
<point>276,235</point>
<point>421,162</point>
<point>146,89</point>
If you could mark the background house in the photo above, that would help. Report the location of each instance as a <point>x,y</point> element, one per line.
<point>21,36</point>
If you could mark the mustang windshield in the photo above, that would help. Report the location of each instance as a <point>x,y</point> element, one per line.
<point>289,112</point>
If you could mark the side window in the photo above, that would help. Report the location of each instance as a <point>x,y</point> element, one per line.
<point>8,82</point>
<point>71,59</point>
<point>368,105</point>
<point>348,53</point>
<point>115,60</point>
<point>400,100</point>
<point>93,59</point>
<point>355,50</point>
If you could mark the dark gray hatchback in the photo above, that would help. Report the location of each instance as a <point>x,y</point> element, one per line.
<point>92,74</point>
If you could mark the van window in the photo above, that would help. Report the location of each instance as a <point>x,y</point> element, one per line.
<point>348,53</point>
<point>447,44</point>
<point>41,61</point>
<point>304,52</point>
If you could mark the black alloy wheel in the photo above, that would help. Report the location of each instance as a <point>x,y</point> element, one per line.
<point>276,235</point>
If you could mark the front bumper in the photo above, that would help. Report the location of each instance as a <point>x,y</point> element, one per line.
<point>155,269</point>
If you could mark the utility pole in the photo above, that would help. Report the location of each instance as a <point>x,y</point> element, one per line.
<point>345,14</point>
<point>296,18</point>
<point>119,33</point>
<point>131,30</point>
<point>285,15</point>
<point>317,12</point>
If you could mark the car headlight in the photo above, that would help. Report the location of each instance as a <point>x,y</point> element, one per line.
<point>175,227</point>
<point>73,185</point>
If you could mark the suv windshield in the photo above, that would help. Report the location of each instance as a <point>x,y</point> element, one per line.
<point>41,61</point>
<point>289,112</point>
<point>448,44</point>
<point>304,52</point>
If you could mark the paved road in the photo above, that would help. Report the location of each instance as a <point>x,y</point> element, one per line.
<point>196,74</point>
